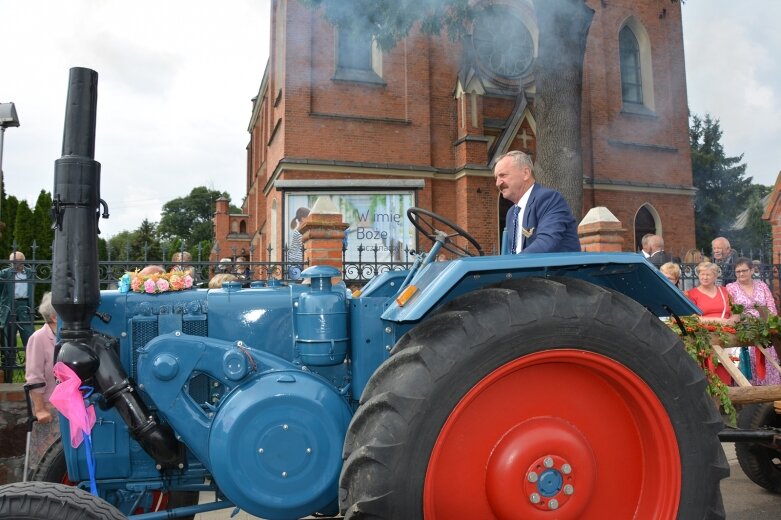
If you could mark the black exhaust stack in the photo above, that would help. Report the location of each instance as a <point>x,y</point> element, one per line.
<point>75,277</point>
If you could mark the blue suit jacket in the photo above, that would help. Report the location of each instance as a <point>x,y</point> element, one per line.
<point>551,222</point>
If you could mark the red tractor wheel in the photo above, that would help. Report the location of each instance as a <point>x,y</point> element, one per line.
<point>536,398</point>
<point>52,468</point>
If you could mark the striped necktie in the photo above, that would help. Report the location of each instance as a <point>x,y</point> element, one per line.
<point>514,221</point>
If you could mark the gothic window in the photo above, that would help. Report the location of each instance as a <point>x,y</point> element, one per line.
<point>631,73</point>
<point>637,76</point>
<point>243,226</point>
<point>645,222</point>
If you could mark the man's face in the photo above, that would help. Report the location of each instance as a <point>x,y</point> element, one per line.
<point>720,250</point>
<point>512,181</point>
<point>18,262</point>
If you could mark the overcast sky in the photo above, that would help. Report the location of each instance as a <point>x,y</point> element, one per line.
<point>176,78</point>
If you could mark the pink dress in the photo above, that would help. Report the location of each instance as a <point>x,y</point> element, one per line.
<point>38,364</point>
<point>762,297</point>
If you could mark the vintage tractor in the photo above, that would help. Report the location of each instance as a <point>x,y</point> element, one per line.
<point>510,386</point>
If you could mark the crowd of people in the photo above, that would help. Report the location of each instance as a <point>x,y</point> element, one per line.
<point>723,281</point>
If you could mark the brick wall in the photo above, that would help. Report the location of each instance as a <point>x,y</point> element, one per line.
<point>418,120</point>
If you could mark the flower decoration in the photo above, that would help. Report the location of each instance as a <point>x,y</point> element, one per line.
<point>699,337</point>
<point>155,283</point>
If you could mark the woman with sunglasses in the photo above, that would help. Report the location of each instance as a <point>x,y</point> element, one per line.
<point>751,294</point>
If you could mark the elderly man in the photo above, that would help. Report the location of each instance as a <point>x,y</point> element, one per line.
<point>16,300</point>
<point>658,255</point>
<point>540,220</point>
<point>724,257</point>
<point>645,245</point>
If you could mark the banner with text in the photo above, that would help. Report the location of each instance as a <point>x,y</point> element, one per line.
<point>376,220</point>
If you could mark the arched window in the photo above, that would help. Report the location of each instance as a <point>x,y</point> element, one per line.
<point>243,227</point>
<point>645,223</point>
<point>637,76</point>
<point>631,73</point>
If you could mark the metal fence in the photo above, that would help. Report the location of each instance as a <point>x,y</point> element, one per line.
<point>359,267</point>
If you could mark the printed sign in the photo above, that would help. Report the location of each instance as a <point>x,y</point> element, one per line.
<point>377,220</point>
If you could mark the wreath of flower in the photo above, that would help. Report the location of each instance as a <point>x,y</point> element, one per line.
<point>699,337</point>
<point>155,283</point>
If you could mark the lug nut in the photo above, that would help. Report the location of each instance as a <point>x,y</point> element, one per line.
<point>548,462</point>
<point>532,476</point>
<point>534,498</point>
<point>553,503</point>
<point>566,469</point>
<point>568,489</point>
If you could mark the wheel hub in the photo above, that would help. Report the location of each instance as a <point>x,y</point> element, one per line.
<point>519,478</point>
<point>549,482</point>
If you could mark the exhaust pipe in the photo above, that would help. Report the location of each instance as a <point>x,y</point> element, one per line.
<point>75,276</point>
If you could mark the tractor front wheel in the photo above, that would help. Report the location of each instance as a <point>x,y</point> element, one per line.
<point>45,501</point>
<point>538,397</point>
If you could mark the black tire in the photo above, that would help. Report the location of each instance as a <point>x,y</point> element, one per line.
<point>47,501</point>
<point>53,468</point>
<point>395,433</point>
<point>762,465</point>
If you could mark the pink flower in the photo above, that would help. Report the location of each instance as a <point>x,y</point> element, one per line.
<point>162,285</point>
<point>135,284</point>
<point>188,281</point>
<point>149,286</point>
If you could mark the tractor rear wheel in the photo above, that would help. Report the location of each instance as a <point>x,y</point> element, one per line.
<point>52,468</point>
<point>45,501</point>
<point>762,465</point>
<point>540,395</point>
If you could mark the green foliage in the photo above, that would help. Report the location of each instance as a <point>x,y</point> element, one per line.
<point>42,226</point>
<point>145,244</point>
<point>23,229</point>
<point>10,205</point>
<point>190,218</point>
<point>391,20</point>
<point>723,190</point>
<point>698,338</point>
<point>756,233</point>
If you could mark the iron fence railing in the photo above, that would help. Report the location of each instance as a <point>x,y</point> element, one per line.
<point>359,266</point>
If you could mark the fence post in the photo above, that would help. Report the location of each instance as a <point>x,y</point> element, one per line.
<point>600,231</point>
<point>323,235</point>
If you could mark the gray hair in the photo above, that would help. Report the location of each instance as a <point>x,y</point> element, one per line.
<point>46,309</point>
<point>519,158</point>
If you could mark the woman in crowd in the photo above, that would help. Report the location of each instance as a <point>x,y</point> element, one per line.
<point>751,293</point>
<point>713,301</point>
<point>672,272</point>
<point>39,362</point>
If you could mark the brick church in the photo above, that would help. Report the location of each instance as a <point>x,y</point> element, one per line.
<point>420,125</point>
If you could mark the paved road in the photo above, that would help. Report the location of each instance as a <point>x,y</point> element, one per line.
<point>743,500</point>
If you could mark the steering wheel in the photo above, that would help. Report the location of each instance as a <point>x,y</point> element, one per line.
<point>426,221</point>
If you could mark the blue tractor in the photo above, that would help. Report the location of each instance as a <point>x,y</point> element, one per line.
<point>501,387</point>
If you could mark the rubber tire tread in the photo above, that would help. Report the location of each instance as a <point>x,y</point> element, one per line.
<point>47,501</point>
<point>754,459</point>
<point>52,468</point>
<point>389,440</point>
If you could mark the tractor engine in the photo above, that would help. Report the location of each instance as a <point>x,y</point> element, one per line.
<point>246,386</point>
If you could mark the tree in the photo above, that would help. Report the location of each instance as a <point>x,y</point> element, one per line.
<point>563,29</point>
<point>750,234</point>
<point>145,245</point>
<point>190,218</point>
<point>42,226</point>
<point>723,190</point>
<point>10,205</point>
<point>23,229</point>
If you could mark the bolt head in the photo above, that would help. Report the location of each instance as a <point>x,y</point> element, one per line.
<point>534,498</point>
<point>284,474</point>
<point>566,469</point>
<point>181,466</point>
<point>568,489</point>
<point>309,450</point>
<point>261,451</point>
<point>387,330</point>
<point>285,426</point>
<point>548,462</point>
<point>532,476</point>
<point>553,503</point>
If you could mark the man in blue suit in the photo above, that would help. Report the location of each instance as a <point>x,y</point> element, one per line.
<point>547,222</point>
